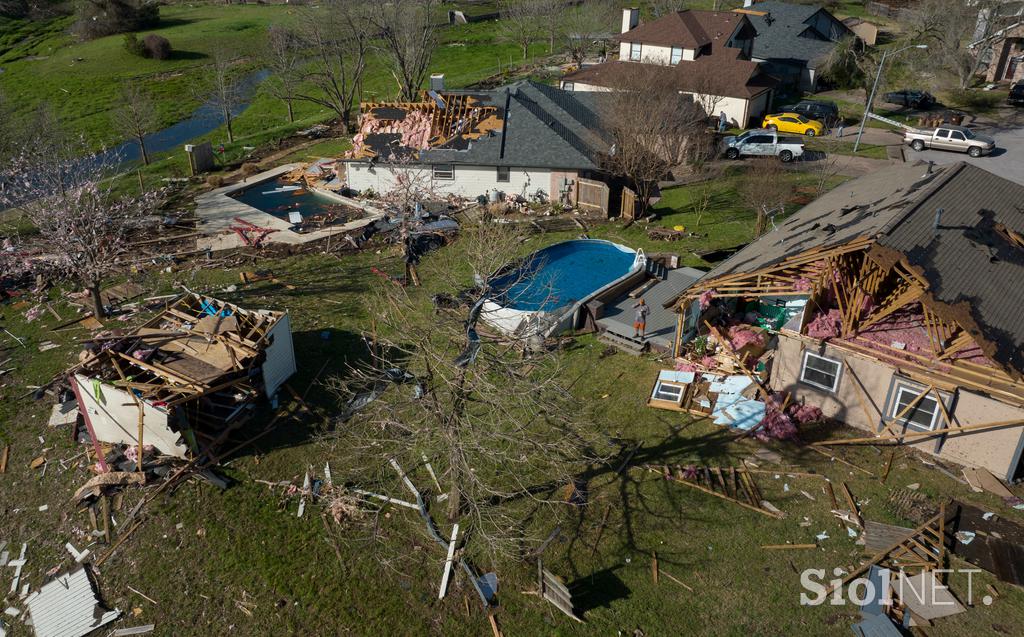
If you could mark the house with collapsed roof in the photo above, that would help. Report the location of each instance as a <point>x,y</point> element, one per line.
<point>528,139</point>
<point>893,303</point>
<point>705,54</point>
<point>794,41</point>
<point>184,380</point>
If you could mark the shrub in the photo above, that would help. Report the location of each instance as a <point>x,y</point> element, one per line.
<point>971,98</point>
<point>215,181</point>
<point>250,169</point>
<point>133,45</point>
<point>98,18</point>
<point>156,47</point>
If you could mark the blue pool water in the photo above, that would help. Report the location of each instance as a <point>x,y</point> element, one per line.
<point>268,197</point>
<point>563,274</point>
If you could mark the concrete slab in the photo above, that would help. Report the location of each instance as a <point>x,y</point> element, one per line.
<point>661,322</point>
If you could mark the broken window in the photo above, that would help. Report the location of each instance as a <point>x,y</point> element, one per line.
<point>923,415</point>
<point>444,171</point>
<point>634,51</point>
<point>670,392</point>
<point>677,55</point>
<point>504,174</point>
<point>820,372</point>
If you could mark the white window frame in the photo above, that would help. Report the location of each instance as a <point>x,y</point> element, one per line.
<point>915,392</point>
<point>673,58</point>
<point>568,86</point>
<point>439,173</point>
<point>636,51</point>
<point>681,387</point>
<point>839,372</point>
<point>508,174</point>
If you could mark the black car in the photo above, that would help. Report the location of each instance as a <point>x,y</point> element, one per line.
<point>1016,96</point>
<point>825,112</point>
<point>912,99</point>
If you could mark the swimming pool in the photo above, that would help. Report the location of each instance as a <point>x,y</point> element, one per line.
<point>552,283</point>
<point>280,197</point>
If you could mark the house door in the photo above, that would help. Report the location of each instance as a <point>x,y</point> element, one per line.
<point>1011,67</point>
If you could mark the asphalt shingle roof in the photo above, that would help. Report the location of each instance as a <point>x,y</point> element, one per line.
<point>545,127</point>
<point>785,33</point>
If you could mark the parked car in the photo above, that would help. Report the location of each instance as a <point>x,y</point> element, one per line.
<point>920,100</point>
<point>794,123</point>
<point>955,138</point>
<point>825,112</point>
<point>1016,96</point>
<point>763,143</point>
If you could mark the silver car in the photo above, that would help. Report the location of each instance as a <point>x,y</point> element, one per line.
<point>954,138</point>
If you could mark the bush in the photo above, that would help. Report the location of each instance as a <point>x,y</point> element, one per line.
<point>970,98</point>
<point>156,47</point>
<point>98,18</point>
<point>133,45</point>
<point>215,181</point>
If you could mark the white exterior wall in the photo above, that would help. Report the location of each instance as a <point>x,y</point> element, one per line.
<point>114,418</point>
<point>735,108</point>
<point>470,181</point>
<point>280,361</point>
<point>650,54</point>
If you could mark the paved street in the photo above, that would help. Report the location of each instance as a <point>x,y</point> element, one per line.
<point>1007,160</point>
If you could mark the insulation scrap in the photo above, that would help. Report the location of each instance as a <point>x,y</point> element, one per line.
<point>705,298</point>
<point>803,284</point>
<point>741,335</point>
<point>824,325</point>
<point>804,414</point>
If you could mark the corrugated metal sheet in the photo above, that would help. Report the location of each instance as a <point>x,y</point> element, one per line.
<point>67,607</point>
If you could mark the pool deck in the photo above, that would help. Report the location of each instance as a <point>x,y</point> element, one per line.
<point>217,211</point>
<point>661,321</point>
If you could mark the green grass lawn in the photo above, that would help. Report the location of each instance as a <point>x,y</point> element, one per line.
<point>202,550</point>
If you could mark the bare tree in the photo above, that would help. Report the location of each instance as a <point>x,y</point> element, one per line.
<point>765,190</point>
<point>135,116</point>
<point>224,94</point>
<point>585,24</point>
<point>66,195</point>
<point>664,7</point>
<point>338,37</point>
<point>501,431</point>
<point>522,22</point>
<point>406,40</point>
<point>283,57</point>
<point>650,126</point>
<point>947,26</point>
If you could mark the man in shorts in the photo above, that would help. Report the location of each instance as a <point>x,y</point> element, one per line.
<point>640,319</point>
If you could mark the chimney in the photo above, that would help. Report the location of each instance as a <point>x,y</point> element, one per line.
<point>630,19</point>
<point>437,82</point>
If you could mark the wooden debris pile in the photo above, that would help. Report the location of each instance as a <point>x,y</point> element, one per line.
<point>733,484</point>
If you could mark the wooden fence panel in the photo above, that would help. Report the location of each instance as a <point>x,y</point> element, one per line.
<point>593,195</point>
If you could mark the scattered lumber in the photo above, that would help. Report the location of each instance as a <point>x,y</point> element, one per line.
<point>743,491</point>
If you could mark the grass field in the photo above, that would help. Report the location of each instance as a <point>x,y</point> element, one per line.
<point>202,550</point>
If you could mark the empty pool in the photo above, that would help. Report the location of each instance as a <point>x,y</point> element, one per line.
<point>289,201</point>
<point>545,291</point>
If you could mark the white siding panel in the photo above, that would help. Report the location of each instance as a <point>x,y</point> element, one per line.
<point>280,361</point>
<point>66,607</point>
<point>114,418</point>
<point>470,181</point>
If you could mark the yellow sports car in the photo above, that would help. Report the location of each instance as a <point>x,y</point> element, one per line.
<point>793,123</point>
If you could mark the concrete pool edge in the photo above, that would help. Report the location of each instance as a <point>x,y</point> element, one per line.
<point>217,211</point>
<point>510,321</point>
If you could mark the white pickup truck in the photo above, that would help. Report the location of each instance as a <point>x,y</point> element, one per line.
<point>955,138</point>
<point>763,143</point>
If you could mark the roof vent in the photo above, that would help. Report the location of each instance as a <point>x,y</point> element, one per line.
<point>938,219</point>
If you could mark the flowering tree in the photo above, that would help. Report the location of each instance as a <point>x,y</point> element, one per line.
<point>83,226</point>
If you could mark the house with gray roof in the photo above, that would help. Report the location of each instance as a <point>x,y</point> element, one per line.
<point>793,41</point>
<point>894,304</point>
<point>526,139</point>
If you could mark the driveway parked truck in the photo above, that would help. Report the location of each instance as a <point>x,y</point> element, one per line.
<point>954,138</point>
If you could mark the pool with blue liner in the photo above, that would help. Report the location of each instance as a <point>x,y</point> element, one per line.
<point>563,274</point>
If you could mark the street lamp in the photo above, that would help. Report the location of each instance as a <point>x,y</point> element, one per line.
<point>871,97</point>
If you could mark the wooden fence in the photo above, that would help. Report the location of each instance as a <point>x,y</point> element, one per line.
<point>593,195</point>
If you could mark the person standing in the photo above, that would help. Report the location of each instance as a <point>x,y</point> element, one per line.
<point>723,121</point>
<point>640,319</point>
<point>839,128</point>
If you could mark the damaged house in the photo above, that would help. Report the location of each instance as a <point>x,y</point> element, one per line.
<point>184,380</point>
<point>527,140</point>
<point>892,303</point>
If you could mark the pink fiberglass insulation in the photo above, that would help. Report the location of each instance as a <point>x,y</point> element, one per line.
<point>705,299</point>
<point>824,325</point>
<point>686,366</point>
<point>804,414</point>
<point>708,362</point>
<point>741,335</point>
<point>906,327</point>
<point>803,284</point>
<point>775,426</point>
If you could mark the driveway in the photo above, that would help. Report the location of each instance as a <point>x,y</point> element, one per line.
<point>1007,160</point>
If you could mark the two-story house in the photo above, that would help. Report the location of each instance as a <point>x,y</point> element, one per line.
<point>794,40</point>
<point>705,54</point>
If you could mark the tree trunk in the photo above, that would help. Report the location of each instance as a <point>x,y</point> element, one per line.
<point>142,148</point>
<point>97,301</point>
<point>227,122</point>
<point>526,50</point>
<point>291,113</point>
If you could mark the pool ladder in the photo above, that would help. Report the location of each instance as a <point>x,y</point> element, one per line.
<point>640,260</point>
